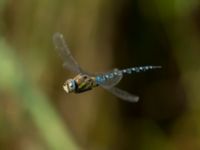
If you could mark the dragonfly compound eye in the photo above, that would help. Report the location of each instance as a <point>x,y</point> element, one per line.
<point>69,86</point>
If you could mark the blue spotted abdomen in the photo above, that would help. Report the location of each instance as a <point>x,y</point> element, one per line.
<point>113,77</point>
<point>139,69</point>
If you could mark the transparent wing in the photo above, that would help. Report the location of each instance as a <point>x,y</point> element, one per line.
<point>111,78</point>
<point>65,54</point>
<point>122,94</point>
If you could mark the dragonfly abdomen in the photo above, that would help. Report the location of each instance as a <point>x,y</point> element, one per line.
<point>113,77</point>
<point>139,69</point>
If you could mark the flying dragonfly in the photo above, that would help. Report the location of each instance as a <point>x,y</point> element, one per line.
<point>85,81</point>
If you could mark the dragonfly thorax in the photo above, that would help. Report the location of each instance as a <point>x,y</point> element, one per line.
<point>69,85</point>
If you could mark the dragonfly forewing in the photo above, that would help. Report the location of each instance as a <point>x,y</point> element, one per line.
<point>65,54</point>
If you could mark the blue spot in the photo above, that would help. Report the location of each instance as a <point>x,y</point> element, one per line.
<point>115,73</point>
<point>141,68</point>
<point>137,69</point>
<point>111,75</point>
<point>103,78</point>
<point>98,79</point>
<point>107,76</point>
<point>129,71</point>
<point>124,71</point>
<point>133,69</point>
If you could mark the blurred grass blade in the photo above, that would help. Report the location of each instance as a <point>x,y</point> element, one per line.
<point>14,78</point>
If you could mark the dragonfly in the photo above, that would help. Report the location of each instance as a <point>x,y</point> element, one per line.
<point>85,81</point>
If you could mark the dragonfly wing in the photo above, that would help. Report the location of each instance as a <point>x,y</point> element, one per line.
<point>111,78</point>
<point>122,94</point>
<point>65,54</point>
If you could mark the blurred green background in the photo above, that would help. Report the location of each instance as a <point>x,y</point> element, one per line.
<point>35,112</point>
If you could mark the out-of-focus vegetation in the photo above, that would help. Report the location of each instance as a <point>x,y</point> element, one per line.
<point>35,112</point>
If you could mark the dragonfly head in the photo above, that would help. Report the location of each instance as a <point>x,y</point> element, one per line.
<point>69,86</point>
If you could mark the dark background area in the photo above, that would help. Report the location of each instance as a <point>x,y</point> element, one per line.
<point>36,113</point>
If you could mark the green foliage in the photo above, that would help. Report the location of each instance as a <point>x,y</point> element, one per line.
<point>41,112</point>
